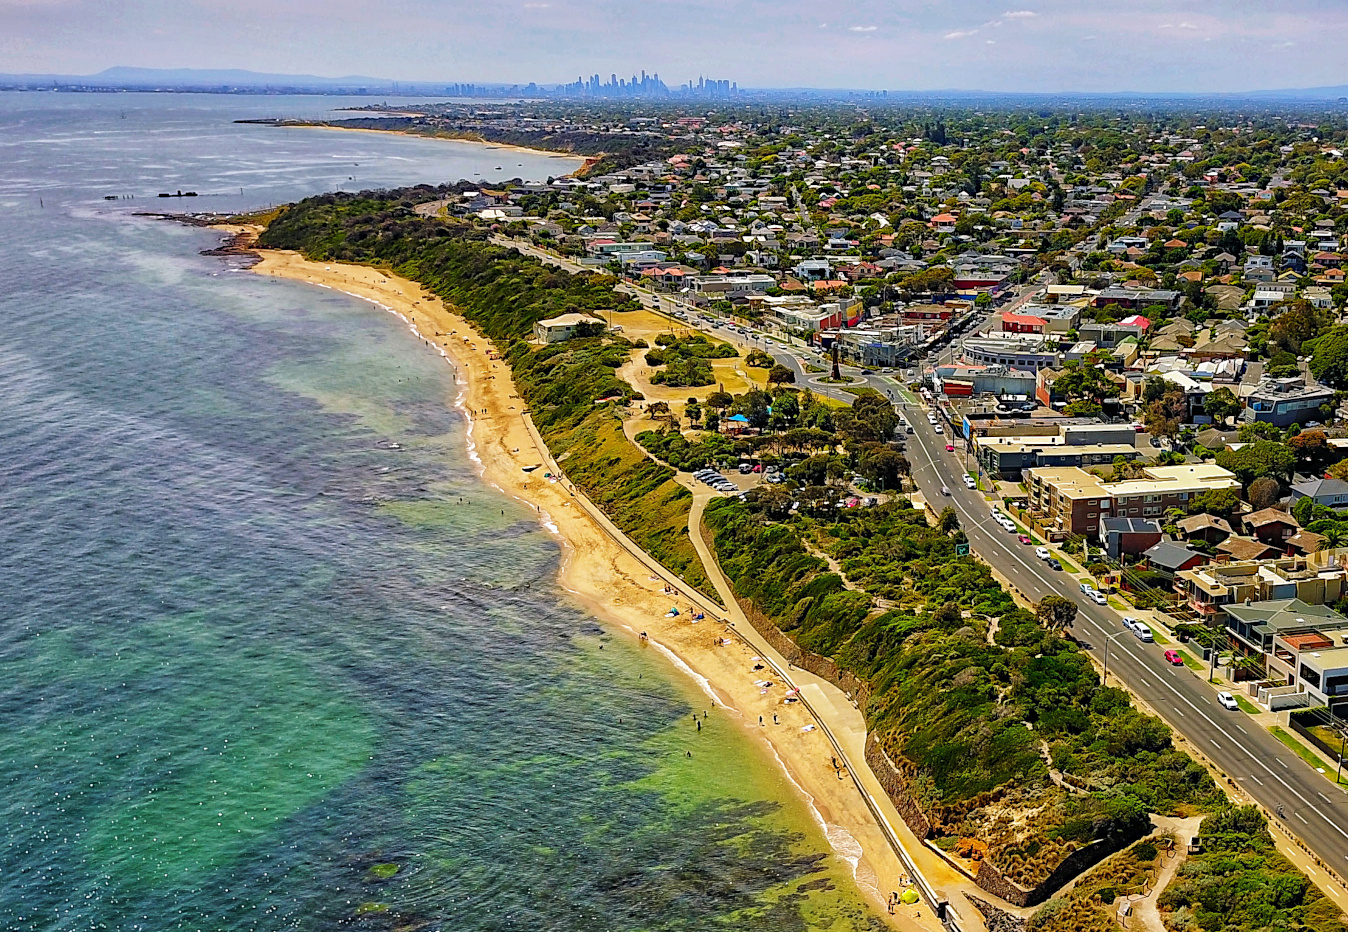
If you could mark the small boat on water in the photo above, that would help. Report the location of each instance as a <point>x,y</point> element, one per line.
<point>179,193</point>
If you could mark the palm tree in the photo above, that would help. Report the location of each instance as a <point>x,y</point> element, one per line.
<point>1333,538</point>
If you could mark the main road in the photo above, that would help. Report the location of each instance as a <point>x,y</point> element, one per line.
<point>1312,807</point>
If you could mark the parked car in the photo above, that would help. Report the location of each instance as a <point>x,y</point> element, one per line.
<point>950,448</point>
<point>969,481</point>
<point>1023,538</point>
<point>1228,702</point>
<point>1042,553</point>
<point>1128,622</point>
<point>1172,657</point>
<point>1086,588</point>
<point>1099,598</point>
<point>1054,564</point>
<point>1143,632</point>
<point>940,429</point>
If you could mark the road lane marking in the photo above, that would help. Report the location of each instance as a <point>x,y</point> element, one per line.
<point>1303,821</point>
<point>1325,798</point>
<point>1033,571</point>
<point>1215,744</point>
<point>1256,779</point>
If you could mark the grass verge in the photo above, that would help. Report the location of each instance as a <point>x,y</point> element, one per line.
<point>1299,749</point>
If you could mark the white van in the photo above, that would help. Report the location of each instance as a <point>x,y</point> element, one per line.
<point>1142,631</point>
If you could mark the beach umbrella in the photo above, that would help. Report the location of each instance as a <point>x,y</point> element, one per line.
<point>909,897</point>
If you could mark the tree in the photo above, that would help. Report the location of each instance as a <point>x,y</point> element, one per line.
<point>1217,502</point>
<point>1078,382</point>
<point>1329,358</point>
<point>1222,404</point>
<point>1334,537</point>
<point>1299,322</point>
<point>1304,510</point>
<point>882,465</point>
<point>1261,458</point>
<point>1311,447</point>
<point>1055,613</point>
<point>1264,492</point>
<point>1164,416</point>
<point>949,521</point>
<point>720,400</point>
<point>781,375</point>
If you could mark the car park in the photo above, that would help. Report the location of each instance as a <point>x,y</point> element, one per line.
<point>1227,701</point>
<point>1173,658</point>
<point>1042,553</point>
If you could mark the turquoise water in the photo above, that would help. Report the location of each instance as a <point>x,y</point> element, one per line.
<point>271,655</point>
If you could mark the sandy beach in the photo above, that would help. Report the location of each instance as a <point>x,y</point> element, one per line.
<point>615,586</point>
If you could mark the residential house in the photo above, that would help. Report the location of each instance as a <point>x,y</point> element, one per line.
<point>1244,549</point>
<point>1128,535</point>
<point>1332,493</point>
<point>1207,528</point>
<point>1270,526</point>
<point>1283,402</point>
<point>1170,557</point>
<point>559,329</point>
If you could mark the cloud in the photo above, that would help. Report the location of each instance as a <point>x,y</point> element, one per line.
<point>537,6</point>
<point>961,33</point>
<point>989,41</point>
<point>1089,38</point>
<point>862,28</point>
<point>1187,26</point>
<point>1019,14</point>
<point>1166,26</point>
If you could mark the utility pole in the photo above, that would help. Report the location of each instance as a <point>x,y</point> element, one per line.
<point>1104,672</point>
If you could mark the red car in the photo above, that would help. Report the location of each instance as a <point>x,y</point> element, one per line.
<point>1174,658</point>
<point>1023,538</point>
<point>950,448</point>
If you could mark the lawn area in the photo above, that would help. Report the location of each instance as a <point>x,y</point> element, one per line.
<point>1299,749</point>
<point>1246,706</point>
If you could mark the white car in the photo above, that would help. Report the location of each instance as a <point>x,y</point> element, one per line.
<point>969,481</point>
<point>1098,597</point>
<point>1042,553</point>
<point>1227,701</point>
<point>1129,621</point>
<point>931,418</point>
<point>940,429</point>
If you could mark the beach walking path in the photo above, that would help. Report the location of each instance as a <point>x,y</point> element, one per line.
<point>614,580</point>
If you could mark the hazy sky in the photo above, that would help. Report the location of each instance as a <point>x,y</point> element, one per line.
<point>1083,45</point>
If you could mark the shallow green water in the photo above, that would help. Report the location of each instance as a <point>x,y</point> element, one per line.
<point>271,655</point>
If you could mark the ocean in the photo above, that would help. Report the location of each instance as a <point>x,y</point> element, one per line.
<point>272,656</point>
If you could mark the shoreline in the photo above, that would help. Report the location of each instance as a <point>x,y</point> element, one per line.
<point>470,140</point>
<point>610,583</point>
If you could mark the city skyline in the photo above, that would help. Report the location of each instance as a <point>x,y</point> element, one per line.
<point>1047,47</point>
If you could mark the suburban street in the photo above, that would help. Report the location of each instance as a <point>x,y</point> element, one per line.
<point>1314,809</point>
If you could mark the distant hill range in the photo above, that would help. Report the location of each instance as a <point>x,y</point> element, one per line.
<point>239,81</point>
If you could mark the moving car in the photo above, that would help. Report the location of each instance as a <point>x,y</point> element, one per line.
<point>1227,701</point>
<point>1172,657</point>
<point>1042,553</point>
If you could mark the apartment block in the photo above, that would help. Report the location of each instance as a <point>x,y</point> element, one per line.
<point>1317,579</point>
